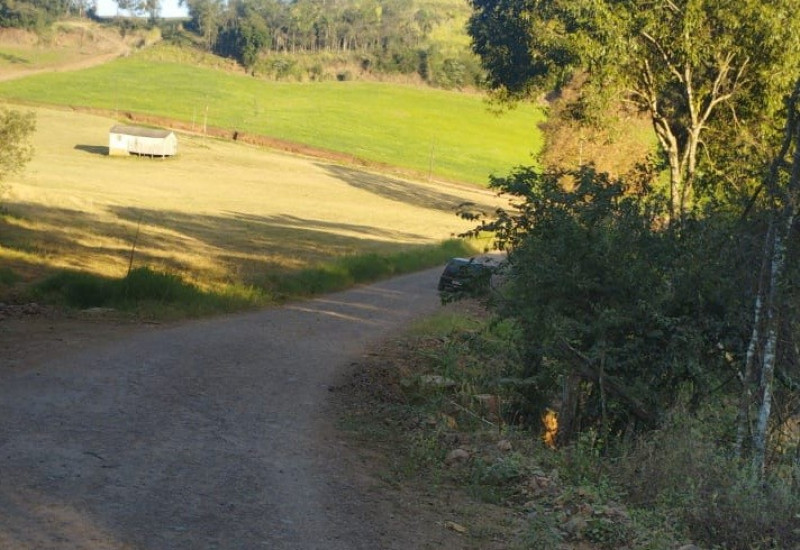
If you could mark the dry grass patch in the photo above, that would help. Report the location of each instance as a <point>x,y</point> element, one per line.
<point>68,44</point>
<point>218,213</point>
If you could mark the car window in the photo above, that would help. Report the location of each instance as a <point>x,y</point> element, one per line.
<point>453,268</point>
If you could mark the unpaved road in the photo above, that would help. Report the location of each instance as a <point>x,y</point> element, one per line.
<point>210,434</point>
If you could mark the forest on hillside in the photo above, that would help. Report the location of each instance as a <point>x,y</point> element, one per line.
<point>409,37</point>
<point>386,36</point>
<point>35,14</point>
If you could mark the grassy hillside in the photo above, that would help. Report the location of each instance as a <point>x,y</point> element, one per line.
<point>219,213</point>
<point>447,134</point>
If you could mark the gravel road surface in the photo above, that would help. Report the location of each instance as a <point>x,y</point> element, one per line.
<point>210,434</point>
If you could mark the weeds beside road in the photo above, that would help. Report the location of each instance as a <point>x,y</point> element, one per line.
<point>442,406</point>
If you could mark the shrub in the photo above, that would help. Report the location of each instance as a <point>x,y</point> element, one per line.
<point>617,313</point>
<point>369,267</point>
<point>143,284</point>
<point>682,471</point>
<point>76,289</point>
<point>85,290</point>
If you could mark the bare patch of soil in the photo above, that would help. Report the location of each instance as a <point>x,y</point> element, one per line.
<point>83,46</point>
<point>121,360</point>
<point>31,333</point>
<point>381,429</point>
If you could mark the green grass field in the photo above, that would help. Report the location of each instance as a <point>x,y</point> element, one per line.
<point>448,135</point>
<point>219,214</point>
<point>15,57</point>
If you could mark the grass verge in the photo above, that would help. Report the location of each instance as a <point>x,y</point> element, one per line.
<point>154,293</point>
<point>436,404</point>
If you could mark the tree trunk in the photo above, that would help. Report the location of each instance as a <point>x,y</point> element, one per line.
<point>743,427</point>
<point>784,204</point>
<point>568,412</point>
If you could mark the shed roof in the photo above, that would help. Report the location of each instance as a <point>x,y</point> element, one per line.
<point>139,131</point>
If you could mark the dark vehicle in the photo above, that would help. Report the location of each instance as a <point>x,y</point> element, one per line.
<point>465,275</point>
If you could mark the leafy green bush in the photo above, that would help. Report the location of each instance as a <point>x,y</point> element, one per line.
<point>617,313</point>
<point>77,289</point>
<point>367,267</point>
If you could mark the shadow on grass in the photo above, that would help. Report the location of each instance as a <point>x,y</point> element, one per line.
<point>400,190</point>
<point>93,149</point>
<point>14,59</point>
<point>227,248</point>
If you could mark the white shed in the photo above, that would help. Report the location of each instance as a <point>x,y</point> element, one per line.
<point>135,140</point>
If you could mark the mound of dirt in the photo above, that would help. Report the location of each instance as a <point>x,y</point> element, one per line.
<point>17,37</point>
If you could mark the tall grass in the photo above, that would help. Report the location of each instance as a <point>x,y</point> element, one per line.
<point>662,491</point>
<point>150,292</point>
<point>443,134</point>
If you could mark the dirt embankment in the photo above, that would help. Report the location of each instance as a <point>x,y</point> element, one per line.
<point>70,46</point>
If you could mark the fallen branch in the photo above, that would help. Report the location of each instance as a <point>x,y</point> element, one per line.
<point>587,370</point>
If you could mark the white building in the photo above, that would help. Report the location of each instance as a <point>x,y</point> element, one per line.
<point>134,140</point>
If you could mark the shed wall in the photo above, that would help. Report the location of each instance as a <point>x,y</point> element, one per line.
<point>123,144</point>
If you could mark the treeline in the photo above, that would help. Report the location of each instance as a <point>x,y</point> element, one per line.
<point>657,308</point>
<point>379,35</point>
<point>270,36</point>
<point>36,14</point>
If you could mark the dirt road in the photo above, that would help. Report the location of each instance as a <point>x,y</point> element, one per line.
<point>211,434</point>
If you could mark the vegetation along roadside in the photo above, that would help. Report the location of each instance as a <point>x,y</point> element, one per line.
<point>635,382</point>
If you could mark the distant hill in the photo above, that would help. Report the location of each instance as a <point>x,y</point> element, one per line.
<point>421,40</point>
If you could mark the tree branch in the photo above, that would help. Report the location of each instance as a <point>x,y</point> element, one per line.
<point>670,65</point>
<point>586,369</point>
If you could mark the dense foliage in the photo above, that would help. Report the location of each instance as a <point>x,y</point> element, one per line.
<point>707,74</point>
<point>631,298</point>
<point>16,130</point>
<point>386,36</point>
<point>619,317</point>
<point>642,338</point>
<point>35,14</point>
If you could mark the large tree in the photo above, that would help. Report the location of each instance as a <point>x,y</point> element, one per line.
<point>691,65</point>
<point>206,18</point>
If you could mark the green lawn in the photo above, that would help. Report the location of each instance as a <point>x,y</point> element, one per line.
<point>448,134</point>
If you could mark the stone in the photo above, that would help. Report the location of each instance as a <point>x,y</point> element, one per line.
<point>576,526</point>
<point>457,456</point>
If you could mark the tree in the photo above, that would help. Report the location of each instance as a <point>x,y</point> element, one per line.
<point>16,150</point>
<point>83,7</point>
<point>619,320</point>
<point>679,61</point>
<point>206,18</point>
<point>152,8</point>
<point>783,193</point>
<point>244,35</point>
